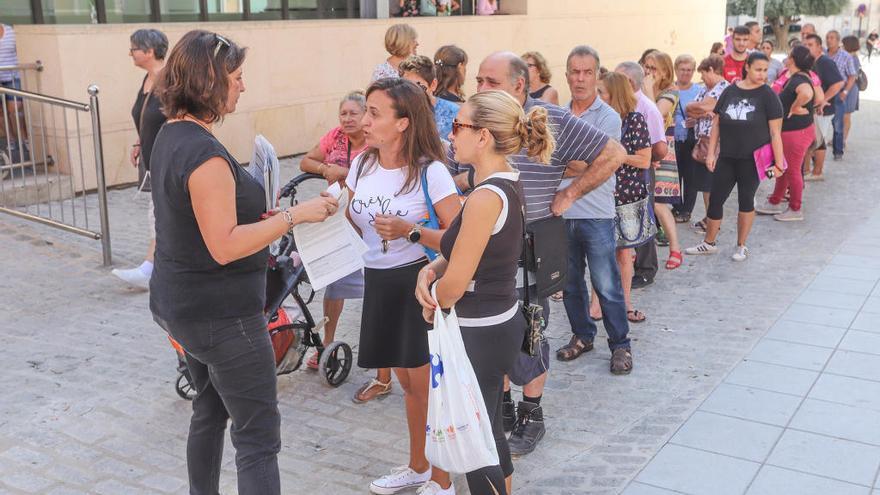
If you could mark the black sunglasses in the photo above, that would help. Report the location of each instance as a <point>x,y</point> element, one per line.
<point>221,42</point>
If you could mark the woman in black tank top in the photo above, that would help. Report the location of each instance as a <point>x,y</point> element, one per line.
<point>478,275</point>
<point>209,281</point>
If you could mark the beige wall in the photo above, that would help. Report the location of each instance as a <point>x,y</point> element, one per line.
<point>297,70</point>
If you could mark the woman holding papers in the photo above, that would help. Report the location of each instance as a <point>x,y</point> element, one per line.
<point>209,281</point>
<point>481,250</point>
<point>392,184</point>
<point>332,158</point>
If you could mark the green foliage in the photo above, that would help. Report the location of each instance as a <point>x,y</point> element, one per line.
<point>781,9</point>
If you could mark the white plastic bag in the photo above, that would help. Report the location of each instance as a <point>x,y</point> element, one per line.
<point>459,434</point>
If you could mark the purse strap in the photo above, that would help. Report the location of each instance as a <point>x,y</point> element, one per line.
<point>525,255</point>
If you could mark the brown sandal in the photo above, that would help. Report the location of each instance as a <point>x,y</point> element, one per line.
<point>635,316</point>
<point>573,349</point>
<point>373,389</point>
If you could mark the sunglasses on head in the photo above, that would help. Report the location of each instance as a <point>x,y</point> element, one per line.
<point>456,126</point>
<point>221,42</point>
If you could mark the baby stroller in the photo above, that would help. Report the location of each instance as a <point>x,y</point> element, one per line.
<point>291,337</point>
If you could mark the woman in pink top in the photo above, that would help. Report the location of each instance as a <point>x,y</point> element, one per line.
<point>331,158</point>
<point>487,7</point>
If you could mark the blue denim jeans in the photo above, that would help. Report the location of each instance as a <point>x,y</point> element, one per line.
<point>232,365</point>
<point>591,242</point>
<point>837,122</point>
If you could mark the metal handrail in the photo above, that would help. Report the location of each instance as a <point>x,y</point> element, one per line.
<point>83,107</point>
<point>37,66</point>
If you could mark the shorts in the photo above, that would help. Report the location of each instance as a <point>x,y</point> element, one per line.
<point>527,368</point>
<point>350,286</point>
<point>824,131</point>
<point>11,84</point>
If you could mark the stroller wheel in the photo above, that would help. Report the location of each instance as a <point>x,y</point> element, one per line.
<point>184,387</point>
<point>335,363</point>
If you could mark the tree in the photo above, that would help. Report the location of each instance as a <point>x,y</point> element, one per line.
<point>781,14</point>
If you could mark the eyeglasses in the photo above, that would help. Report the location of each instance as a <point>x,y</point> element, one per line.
<point>221,42</point>
<point>456,126</point>
<point>422,85</point>
<point>132,50</point>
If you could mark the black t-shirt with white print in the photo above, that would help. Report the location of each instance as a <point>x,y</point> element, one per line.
<point>743,117</point>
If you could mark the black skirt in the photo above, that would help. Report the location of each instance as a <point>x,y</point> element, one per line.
<point>393,332</point>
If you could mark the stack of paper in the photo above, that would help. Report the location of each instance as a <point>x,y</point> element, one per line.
<point>264,167</point>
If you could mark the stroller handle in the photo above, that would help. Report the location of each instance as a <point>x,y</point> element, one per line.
<point>289,189</point>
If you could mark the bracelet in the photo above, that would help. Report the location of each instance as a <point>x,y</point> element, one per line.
<point>135,146</point>
<point>289,219</point>
<point>321,169</point>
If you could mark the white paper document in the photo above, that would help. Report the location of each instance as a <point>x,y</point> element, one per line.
<point>330,250</point>
<point>264,167</point>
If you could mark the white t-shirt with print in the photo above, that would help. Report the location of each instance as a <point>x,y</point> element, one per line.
<point>376,193</point>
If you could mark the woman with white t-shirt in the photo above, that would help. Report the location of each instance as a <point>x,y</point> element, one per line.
<point>388,207</point>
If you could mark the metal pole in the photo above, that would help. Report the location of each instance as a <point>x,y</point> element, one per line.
<point>99,172</point>
<point>759,14</point>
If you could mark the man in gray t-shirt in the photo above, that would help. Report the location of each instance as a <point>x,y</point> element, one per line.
<point>591,235</point>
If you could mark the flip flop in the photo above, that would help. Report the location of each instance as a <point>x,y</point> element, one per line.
<point>635,316</point>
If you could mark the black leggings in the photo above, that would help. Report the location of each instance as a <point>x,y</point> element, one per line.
<point>687,168</point>
<point>730,171</point>
<point>492,352</point>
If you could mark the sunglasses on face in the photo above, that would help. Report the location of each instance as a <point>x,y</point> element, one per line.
<point>457,126</point>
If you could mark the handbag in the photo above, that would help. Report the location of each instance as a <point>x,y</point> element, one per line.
<point>764,160</point>
<point>547,254</point>
<point>862,80</point>
<point>533,313</point>
<point>667,183</point>
<point>458,428</point>
<point>701,150</point>
<point>634,224</point>
<point>431,220</point>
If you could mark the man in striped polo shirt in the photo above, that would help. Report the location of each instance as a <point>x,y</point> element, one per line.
<point>10,79</point>
<point>598,157</point>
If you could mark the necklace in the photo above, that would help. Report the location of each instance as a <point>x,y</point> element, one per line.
<point>194,120</point>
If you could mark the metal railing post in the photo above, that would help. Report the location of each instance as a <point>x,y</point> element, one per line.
<point>99,172</point>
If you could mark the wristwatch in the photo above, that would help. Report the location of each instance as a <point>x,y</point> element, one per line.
<point>415,234</point>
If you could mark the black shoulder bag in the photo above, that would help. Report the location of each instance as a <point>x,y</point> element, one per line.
<point>547,255</point>
<point>533,313</point>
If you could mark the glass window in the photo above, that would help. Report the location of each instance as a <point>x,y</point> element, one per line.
<point>179,10</point>
<point>16,12</point>
<point>265,9</point>
<point>69,12</point>
<point>127,10</point>
<point>225,10</point>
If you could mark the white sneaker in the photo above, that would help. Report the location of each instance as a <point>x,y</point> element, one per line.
<point>814,178</point>
<point>133,276</point>
<point>433,488</point>
<point>400,478</point>
<point>702,248</point>
<point>768,208</point>
<point>740,254</point>
<point>790,216</point>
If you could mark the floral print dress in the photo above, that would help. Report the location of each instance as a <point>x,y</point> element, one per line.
<point>631,180</point>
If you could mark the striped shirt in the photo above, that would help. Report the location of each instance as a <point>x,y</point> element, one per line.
<point>8,55</point>
<point>576,140</point>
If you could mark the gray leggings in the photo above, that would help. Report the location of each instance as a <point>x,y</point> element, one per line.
<point>492,352</point>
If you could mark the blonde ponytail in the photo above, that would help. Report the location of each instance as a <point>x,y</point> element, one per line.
<point>504,118</point>
<point>538,141</point>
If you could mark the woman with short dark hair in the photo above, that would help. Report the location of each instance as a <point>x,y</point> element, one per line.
<point>797,98</point>
<point>209,283</point>
<point>147,51</point>
<point>539,78</point>
<point>775,68</point>
<point>748,116</point>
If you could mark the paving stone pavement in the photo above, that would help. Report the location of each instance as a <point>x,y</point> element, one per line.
<point>87,402</point>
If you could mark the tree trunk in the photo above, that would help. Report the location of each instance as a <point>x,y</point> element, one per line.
<point>780,29</point>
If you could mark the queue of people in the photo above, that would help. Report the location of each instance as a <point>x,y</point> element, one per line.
<point>491,166</point>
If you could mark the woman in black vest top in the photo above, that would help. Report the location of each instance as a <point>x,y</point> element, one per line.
<point>478,274</point>
<point>209,281</point>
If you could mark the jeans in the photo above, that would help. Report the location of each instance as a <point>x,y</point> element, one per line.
<point>837,122</point>
<point>795,145</point>
<point>687,168</point>
<point>593,240</point>
<point>232,365</point>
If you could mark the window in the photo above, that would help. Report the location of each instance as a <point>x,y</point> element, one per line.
<point>119,11</point>
<point>69,12</point>
<point>16,12</point>
<point>179,10</point>
<point>265,10</point>
<point>225,10</point>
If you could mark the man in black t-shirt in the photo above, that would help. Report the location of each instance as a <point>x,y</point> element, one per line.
<point>832,83</point>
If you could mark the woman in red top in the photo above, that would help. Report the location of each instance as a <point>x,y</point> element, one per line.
<point>331,158</point>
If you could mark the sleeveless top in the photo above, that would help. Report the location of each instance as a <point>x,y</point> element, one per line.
<point>148,119</point>
<point>538,93</point>
<point>187,283</point>
<point>491,297</point>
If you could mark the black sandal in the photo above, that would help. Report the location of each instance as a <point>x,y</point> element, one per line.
<point>573,349</point>
<point>635,316</point>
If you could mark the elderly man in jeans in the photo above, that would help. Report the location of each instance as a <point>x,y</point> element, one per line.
<point>590,223</point>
